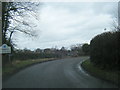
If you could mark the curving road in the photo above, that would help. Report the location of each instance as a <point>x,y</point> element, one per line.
<point>64,73</point>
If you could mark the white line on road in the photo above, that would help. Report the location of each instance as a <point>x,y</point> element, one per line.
<point>80,68</point>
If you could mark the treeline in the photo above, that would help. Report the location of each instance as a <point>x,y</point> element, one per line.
<point>26,54</point>
<point>105,50</point>
<point>75,51</point>
<point>33,55</point>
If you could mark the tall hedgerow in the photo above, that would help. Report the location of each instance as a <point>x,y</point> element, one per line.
<point>105,50</point>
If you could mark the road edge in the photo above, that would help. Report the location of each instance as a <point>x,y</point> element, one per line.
<point>6,77</point>
<point>94,75</point>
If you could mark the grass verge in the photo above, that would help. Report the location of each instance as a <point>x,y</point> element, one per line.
<point>17,65</point>
<point>112,76</point>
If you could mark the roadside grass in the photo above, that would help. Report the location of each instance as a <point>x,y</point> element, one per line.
<point>18,65</point>
<point>112,76</point>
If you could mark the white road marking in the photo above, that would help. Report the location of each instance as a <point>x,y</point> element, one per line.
<point>80,68</point>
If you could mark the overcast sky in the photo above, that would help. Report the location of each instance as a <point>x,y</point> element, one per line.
<point>65,24</point>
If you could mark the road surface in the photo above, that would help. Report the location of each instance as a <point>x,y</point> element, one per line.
<point>64,73</point>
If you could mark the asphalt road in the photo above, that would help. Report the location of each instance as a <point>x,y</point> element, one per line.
<point>64,73</point>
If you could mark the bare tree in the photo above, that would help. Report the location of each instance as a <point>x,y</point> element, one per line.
<point>13,18</point>
<point>118,16</point>
<point>116,19</point>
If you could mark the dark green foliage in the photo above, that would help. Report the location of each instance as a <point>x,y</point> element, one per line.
<point>105,50</point>
<point>85,48</point>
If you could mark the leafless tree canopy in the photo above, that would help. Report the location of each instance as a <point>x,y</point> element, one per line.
<point>13,14</point>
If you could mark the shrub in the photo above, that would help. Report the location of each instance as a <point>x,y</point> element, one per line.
<point>105,50</point>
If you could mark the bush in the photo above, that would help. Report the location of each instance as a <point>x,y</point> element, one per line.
<point>27,56</point>
<point>85,48</point>
<point>105,50</point>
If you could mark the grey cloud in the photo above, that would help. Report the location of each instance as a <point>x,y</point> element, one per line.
<point>64,24</point>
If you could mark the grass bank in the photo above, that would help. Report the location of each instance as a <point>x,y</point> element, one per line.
<point>112,76</point>
<point>17,65</point>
